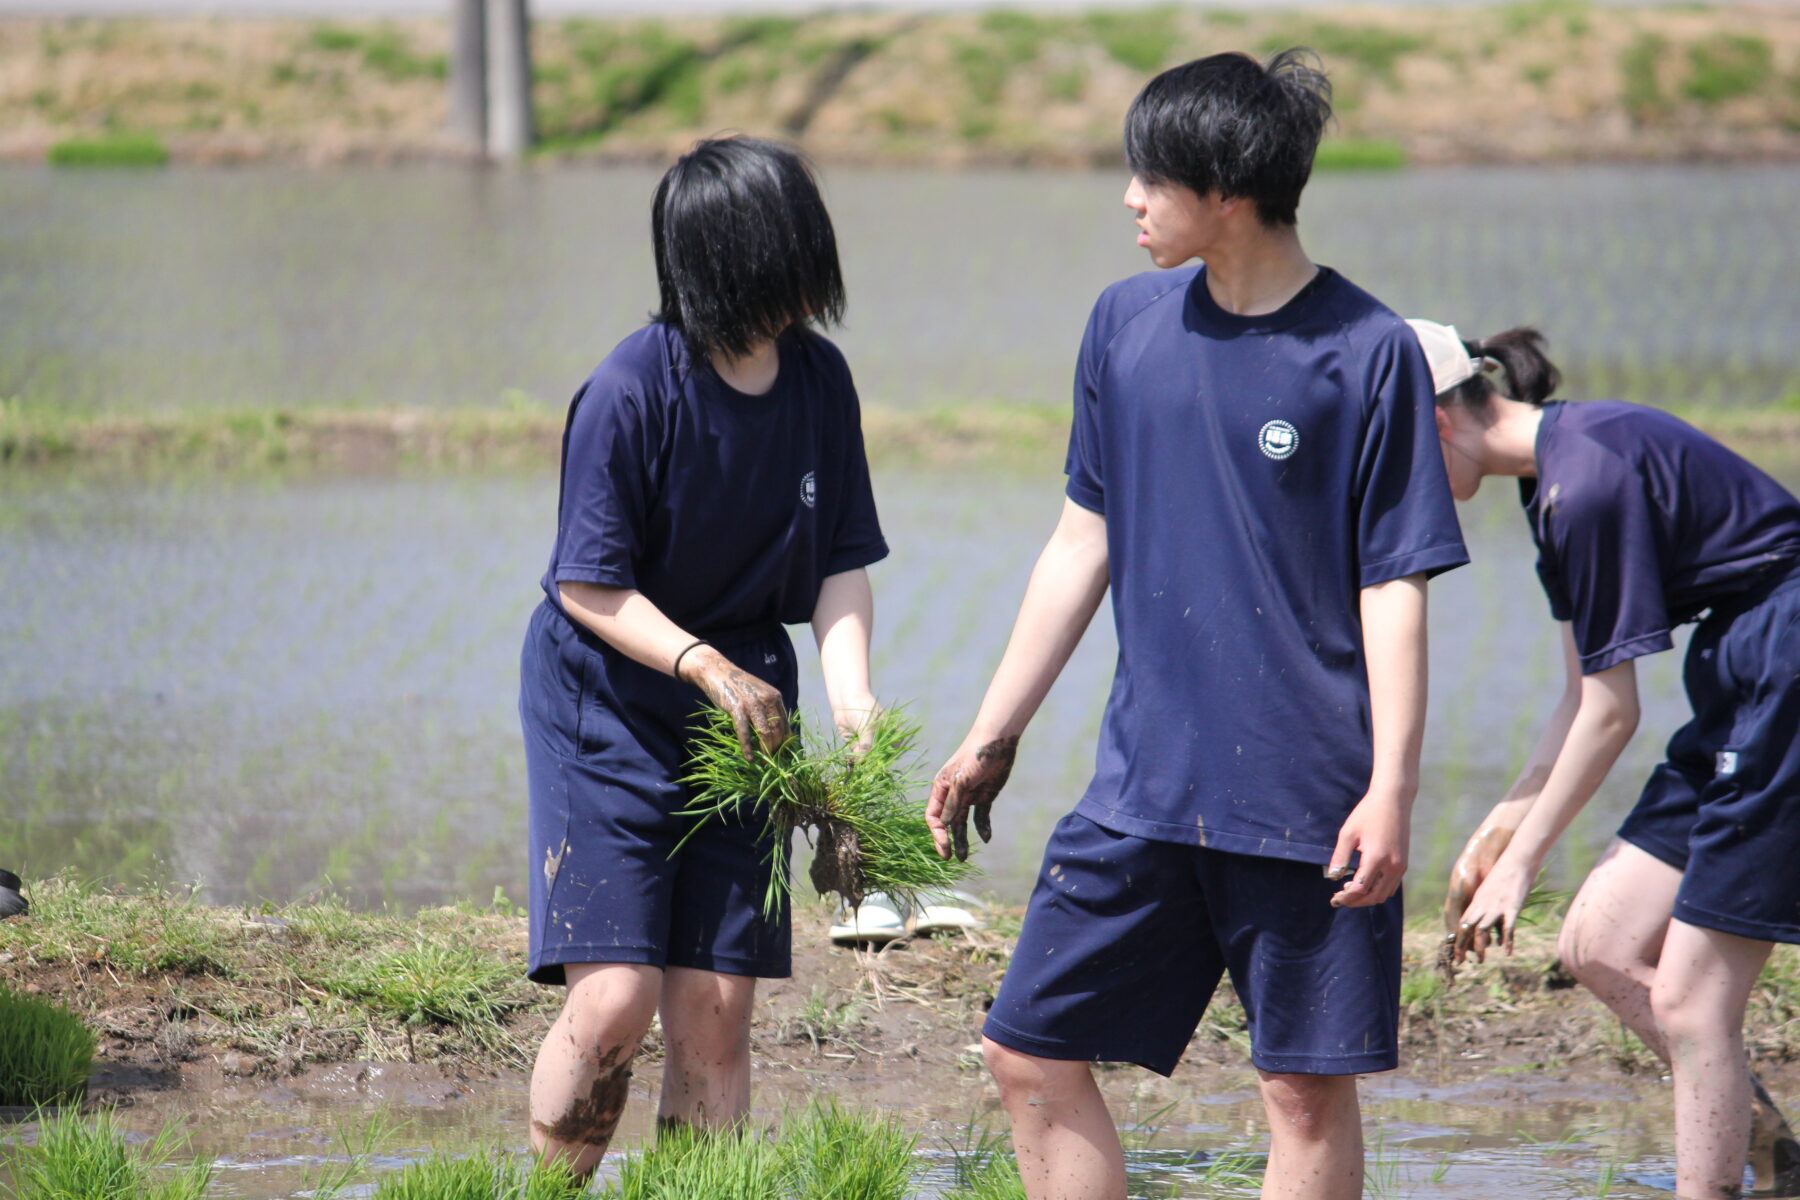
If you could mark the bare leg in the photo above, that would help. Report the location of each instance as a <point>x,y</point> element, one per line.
<point>1702,986</point>
<point>583,1071</point>
<point>1613,936</point>
<point>1068,1148</point>
<point>1315,1137</point>
<point>706,1063</point>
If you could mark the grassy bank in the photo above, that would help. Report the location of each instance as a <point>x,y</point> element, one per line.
<point>530,436</point>
<point>1575,82</point>
<point>172,985</point>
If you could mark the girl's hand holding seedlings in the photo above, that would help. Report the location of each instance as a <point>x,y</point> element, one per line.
<point>971,780</point>
<point>1378,829</point>
<point>754,706</point>
<point>856,724</point>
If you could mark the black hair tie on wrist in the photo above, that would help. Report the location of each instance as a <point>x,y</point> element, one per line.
<point>676,669</point>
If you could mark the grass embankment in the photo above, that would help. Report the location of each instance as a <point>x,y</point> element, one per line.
<point>530,436</point>
<point>165,981</point>
<point>1574,81</point>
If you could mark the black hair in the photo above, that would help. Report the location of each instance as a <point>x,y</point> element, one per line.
<point>1230,124</point>
<point>744,246</point>
<point>1530,375</point>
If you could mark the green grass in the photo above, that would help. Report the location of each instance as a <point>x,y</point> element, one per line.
<point>137,934</point>
<point>1726,66</point>
<point>46,1052</point>
<point>1142,39</point>
<point>1640,77</point>
<point>110,150</point>
<point>430,982</point>
<point>1359,154</point>
<point>383,51</point>
<point>491,1176</point>
<point>1376,50</point>
<point>76,1158</point>
<point>862,810</point>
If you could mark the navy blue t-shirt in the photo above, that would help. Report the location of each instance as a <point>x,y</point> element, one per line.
<point>1255,473</point>
<point>727,511</point>
<point>1641,521</point>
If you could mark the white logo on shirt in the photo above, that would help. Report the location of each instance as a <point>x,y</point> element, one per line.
<point>809,489</point>
<point>1278,439</point>
<point>1726,763</point>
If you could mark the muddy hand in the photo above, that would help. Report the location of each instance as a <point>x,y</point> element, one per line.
<point>970,781</point>
<point>1466,875</point>
<point>755,706</point>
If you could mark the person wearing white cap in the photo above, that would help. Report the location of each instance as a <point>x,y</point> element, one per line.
<point>1643,523</point>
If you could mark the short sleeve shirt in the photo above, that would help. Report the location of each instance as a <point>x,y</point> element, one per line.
<point>1641,521</point>
<point>727,511</point>
<point>1254,473</point>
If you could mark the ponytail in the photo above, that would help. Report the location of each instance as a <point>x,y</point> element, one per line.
<point>1530,375</point>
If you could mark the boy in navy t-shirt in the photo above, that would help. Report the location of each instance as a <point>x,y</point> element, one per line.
<point>1253,470</point>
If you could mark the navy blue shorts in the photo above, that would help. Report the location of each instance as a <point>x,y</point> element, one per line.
<point>1126,939</point>
<point>1724,809</point>
<point>605,748</point>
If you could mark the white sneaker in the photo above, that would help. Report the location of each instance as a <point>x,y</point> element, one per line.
<point>877,919</point>
<point>948,912</point>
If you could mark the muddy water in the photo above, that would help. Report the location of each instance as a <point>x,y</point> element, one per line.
<point>1433,1131</point>
<point>432,285</point>
<point>272,688</point>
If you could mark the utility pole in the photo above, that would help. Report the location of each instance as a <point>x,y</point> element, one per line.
<point>509,131</point>
<point>468,75</point>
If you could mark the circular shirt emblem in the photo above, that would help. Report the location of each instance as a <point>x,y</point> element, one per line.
<point>809,489</point>
<point>1278,439</point>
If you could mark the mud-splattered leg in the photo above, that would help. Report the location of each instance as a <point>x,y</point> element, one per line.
<point>1613,937</point>
<point>1702,986</point>
<point>706,1063</point>
<point>1315,1137</point>
<point>1067,1144</point>
<point>583,1072</point>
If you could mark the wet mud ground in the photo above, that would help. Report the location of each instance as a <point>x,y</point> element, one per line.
<point>1514,1082</point>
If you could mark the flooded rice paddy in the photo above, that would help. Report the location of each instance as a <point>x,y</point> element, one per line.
<point>273,687</point>
<point>440,286</point>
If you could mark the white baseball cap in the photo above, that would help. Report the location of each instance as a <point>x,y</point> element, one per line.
<point>1450,361</point>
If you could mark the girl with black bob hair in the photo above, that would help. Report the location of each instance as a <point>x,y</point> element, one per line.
<point>714,489</point>
<point>1643,523</point>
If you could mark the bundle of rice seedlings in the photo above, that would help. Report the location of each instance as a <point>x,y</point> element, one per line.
<point>868,832</point>
<point>46,1052</point>
<point>685,1163</point>
<point>836,1154</point>
<point>75,1159</point>
<point>491,1176</point>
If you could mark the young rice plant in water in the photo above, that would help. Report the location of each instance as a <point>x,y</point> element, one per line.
<point>491,1176</point>
<point>858,811</point>
<point>78,1159</point>
<point>46,1052</point>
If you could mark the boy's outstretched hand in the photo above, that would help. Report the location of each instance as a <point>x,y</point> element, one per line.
<point>1379,829</point>
<point>972,779</point>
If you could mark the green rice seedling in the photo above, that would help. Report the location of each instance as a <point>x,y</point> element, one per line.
<point>869,836</point>
<point>996,1179</point>
<point>46,1052</point>
<point>833,1153</point>
<point>78,1159</point>
<point>695,1164</point>
<point>110,150</point>
<point>430,983</point>
<point>491,1176</point>
<point>1235,1169</point>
